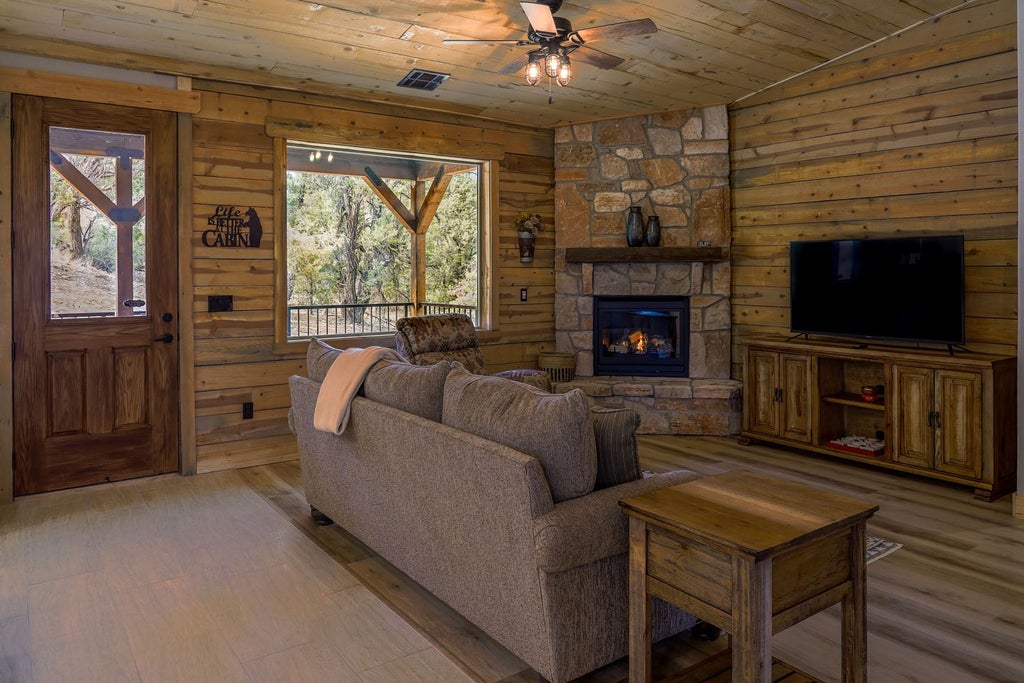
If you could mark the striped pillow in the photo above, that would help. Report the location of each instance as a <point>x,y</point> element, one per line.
<point>615,434</point>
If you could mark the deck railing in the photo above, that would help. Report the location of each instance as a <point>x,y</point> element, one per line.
<point>358,319</point>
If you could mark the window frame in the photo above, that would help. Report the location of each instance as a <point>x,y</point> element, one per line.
<point>487,249</point>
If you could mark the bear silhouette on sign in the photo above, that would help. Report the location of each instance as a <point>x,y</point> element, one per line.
<point>255,228</point>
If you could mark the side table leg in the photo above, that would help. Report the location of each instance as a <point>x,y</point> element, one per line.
<point>752,615</point>
<point>855,623</point>
<point>639,604</point>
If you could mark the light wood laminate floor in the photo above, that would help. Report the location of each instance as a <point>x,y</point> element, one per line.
<point>192,579</point>
<point>223,577</point>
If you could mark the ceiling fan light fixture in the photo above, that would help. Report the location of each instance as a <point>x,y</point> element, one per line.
<point>564,72</point>
<point>533,70</point>
<point>552,64</point>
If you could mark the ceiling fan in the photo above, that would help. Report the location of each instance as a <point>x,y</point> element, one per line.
<point>554,40</point>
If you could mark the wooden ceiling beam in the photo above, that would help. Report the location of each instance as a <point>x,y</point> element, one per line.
<point>47,84</point>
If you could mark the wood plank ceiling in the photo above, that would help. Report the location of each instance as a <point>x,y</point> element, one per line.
<point>705,52</point>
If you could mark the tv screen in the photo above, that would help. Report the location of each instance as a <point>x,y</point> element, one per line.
<point>905,288</point>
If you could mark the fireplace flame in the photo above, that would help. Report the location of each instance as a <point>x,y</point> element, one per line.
<point>638,340</point>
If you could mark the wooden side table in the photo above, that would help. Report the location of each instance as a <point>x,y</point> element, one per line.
<point>753,555</point>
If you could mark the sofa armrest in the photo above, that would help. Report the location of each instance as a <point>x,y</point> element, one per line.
<point>589,528</point>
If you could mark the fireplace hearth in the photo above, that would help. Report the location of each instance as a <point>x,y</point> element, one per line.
<point>641,335</point>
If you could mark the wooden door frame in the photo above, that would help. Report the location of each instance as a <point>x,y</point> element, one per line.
<point>187,453</point>
<point>6,306</point>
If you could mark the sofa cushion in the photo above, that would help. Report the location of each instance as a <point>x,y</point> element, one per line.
<point>615,435</point>
<point>417,389</point>
<point>554,428</point>
<point>319,358</point>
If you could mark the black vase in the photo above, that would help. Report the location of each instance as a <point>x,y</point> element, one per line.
<point>634,227</point>
<point>652,236</point>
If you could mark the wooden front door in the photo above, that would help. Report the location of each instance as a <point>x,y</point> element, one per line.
<point>95,307</point>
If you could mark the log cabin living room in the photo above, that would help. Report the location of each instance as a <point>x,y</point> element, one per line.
<point>760,255</point>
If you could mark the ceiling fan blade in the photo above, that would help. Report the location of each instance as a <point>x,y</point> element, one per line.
<point>622,29</point>
<point>540,17</point>
<point>601,60</point>
<point>460,41</point>
<point>516,64</point>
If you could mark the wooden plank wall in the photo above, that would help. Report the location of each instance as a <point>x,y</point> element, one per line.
<point>235,359</point>
<point>915,135</point>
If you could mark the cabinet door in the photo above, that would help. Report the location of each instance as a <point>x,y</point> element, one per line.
<point>958,423</point>
<point>912,408</point>
<point>796,397</point>
<point>761,410</point>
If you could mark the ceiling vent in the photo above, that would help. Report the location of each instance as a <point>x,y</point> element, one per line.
<point>418,79</point>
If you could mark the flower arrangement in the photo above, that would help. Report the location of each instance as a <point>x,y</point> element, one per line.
<point>527,222</point>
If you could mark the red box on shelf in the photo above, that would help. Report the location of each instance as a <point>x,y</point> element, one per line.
<point>858,444</point>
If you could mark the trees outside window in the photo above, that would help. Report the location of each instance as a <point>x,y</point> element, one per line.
<point>372,238</point>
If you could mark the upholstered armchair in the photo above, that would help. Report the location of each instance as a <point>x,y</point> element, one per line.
<point>427,339</point>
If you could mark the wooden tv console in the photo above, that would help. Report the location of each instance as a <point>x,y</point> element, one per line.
<point>950,416</point>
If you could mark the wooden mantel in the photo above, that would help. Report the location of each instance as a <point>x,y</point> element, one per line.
<point>644,254</point>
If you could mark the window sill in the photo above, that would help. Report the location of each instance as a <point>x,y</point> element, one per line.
<point>298,346</point>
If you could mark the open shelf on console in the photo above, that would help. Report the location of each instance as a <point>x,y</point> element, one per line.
<point>842,410</point>
<point>848,398</point>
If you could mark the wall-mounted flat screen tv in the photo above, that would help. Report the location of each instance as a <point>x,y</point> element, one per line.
<point>905,288</point>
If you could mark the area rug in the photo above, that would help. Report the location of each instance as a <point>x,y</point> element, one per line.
<point>877,548</point>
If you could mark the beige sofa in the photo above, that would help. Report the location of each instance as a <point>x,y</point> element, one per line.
<point>530,555</point>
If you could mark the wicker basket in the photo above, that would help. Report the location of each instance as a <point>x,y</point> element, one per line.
<point>561,366</point>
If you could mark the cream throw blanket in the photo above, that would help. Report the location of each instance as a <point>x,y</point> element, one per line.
<point>341,384</point>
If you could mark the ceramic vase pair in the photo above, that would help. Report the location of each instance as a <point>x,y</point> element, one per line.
<point>638,233</point>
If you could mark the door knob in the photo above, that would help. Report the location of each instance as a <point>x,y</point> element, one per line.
<point>165,338</point>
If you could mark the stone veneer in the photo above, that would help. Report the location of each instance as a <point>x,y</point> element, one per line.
<point>675,165</point>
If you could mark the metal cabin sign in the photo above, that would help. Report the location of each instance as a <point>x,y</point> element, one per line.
<point>233,227</point>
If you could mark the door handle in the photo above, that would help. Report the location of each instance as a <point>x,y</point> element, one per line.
<point>165,338</point>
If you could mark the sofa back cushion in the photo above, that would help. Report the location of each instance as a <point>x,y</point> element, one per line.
<point>554,428</point>
<point>319,358</point>
<point>417,389</point>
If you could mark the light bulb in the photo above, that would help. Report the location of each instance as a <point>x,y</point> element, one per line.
<point>312,156</point>
<point>564,72</point>
<point>330,157</point>
<point>552,63</point>
<point>318,155</point>
<point>533,71</point>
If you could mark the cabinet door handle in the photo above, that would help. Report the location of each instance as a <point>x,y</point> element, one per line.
<point>937,424</point>
<point>778,395</point>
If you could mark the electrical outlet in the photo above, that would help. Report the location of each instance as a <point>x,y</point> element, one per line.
<point>522,294</point>
<point>247,410</point>
<point>703,243</point>
<point>219,303</point>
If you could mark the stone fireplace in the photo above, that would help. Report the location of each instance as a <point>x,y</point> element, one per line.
<point>676,166</point>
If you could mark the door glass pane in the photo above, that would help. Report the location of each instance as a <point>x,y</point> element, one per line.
<point>97,223</point>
